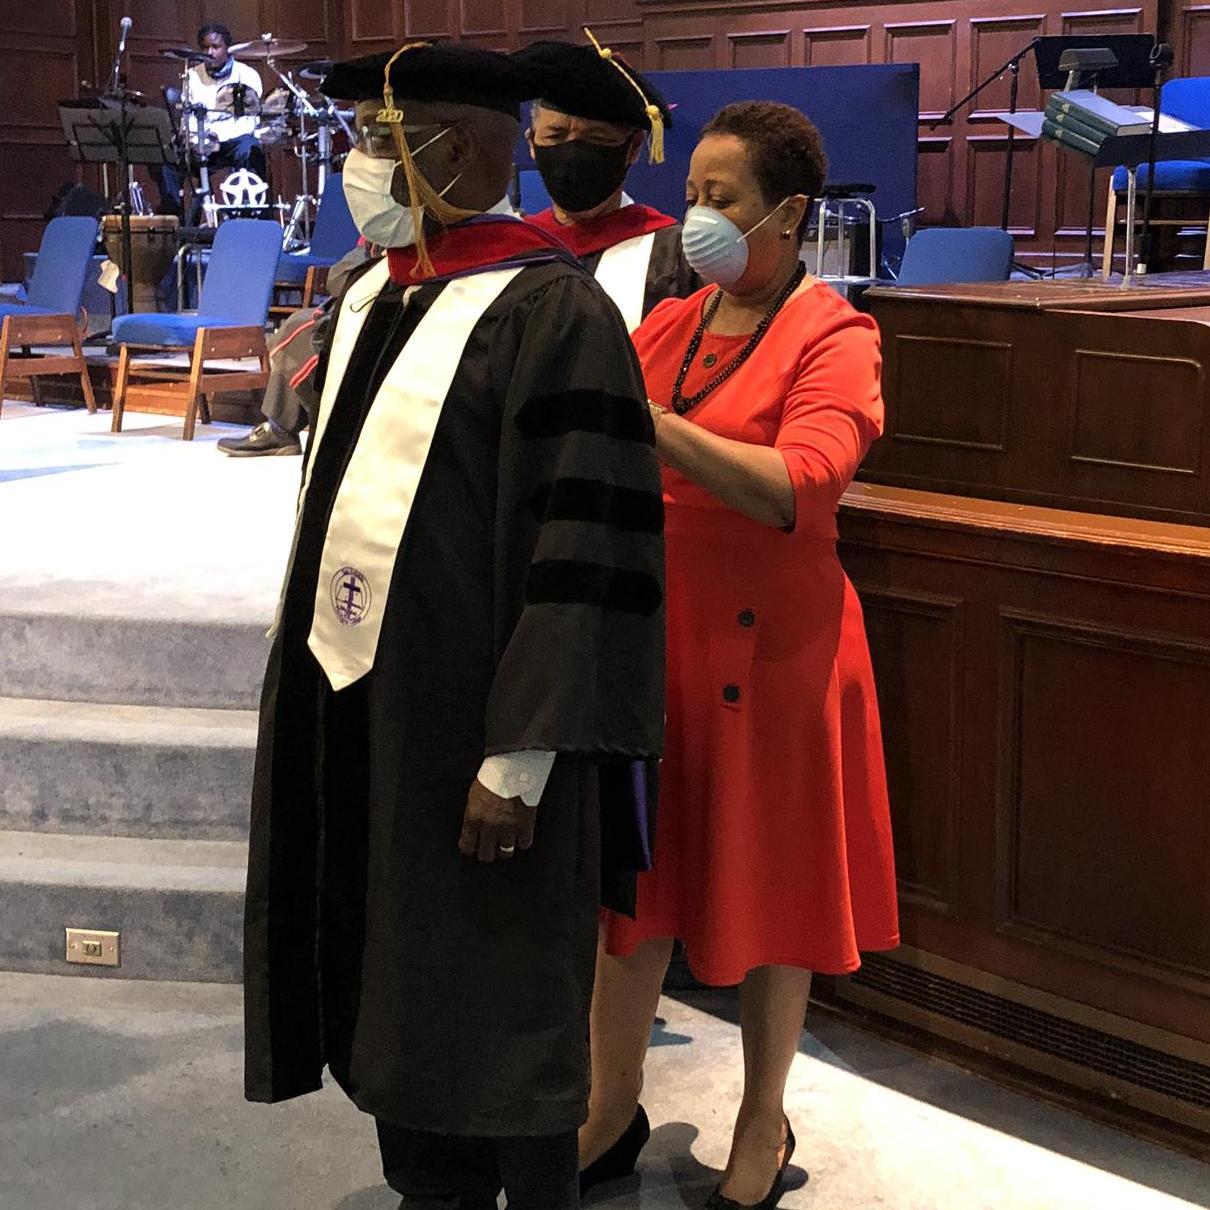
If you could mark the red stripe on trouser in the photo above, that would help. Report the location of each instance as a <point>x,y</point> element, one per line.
<point>277,348</point>
<point>305,371</point>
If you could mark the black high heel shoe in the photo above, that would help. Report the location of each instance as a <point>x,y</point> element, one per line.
<point>621,1158</point>
<point>717,1201</point>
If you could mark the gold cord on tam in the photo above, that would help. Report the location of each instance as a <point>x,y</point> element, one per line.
<point>422,197</point>
<point>655,153</point>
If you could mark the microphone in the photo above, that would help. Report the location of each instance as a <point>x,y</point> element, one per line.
<point>1162,56</point>
<point>125,26</point>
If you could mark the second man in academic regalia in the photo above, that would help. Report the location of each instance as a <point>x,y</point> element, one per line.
<point>472,620</point>
<point>587,129</point>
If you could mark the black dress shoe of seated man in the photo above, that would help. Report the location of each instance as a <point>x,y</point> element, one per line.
<point>265,439</point>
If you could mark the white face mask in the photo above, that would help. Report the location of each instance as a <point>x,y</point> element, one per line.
<point>377,215</point>
<point>716,249</point>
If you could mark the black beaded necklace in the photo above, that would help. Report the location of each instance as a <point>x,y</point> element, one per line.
<point>681,405</point>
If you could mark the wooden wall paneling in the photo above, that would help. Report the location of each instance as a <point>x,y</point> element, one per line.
<point>242,17</point>
<point>1081,664</point>
<point>317,22</point>
<point>986,167</point>
<point>761,48</point>
<point>47,52</point>
<point>935,46</point>
<point>427,19</point>
<point>836,45</point>
<point>917,647</point>
<point>1105,843</point>
<point>484,21</point>
<point>370,25</point>
<point>681,54</point>
<point>1190,30</point>
<point>611,12</point>
<point>617,24</point>
<point>935,181</point>
<point>1097,411</point>
<point>993,40</point>
<point>549,18</point>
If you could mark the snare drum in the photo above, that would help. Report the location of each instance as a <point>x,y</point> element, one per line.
<point>153,244</point>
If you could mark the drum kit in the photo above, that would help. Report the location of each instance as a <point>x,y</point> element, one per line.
<point>294,118</point>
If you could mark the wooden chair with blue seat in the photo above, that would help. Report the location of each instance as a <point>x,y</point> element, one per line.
<point>946,255</point>
<point>334,235</point>
<point>1179,184</point>
<point>48,315</point>
<point>229,324</point>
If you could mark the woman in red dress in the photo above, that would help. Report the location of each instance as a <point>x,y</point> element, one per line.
<point>773,847</point>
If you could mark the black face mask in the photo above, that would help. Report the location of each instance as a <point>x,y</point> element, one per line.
<point>580,176</point>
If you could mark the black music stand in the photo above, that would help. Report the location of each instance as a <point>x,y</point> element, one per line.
<point>1131,150</point>
<point>1133,71</point>
<point>1132,52</point>
<point>1131,67</point>
<point>122,136</point>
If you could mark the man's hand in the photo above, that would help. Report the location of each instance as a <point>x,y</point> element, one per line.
<point>495,828</point>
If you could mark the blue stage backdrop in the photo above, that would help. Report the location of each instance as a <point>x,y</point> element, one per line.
<point>866,114</point>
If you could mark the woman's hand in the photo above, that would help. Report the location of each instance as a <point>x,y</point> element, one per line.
<point>751,479</point>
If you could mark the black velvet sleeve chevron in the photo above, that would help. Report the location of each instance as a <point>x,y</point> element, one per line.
<point>580,557</point>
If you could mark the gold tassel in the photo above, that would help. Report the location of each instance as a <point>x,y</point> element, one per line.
<point>655,150</point>
<point>422,197</point>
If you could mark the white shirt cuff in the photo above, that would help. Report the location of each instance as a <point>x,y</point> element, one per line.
<point>520,775</point>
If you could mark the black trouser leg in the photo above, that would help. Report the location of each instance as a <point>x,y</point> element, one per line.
<point>439,1170</point>
<point>540,1174</point>
<point>244,152</point>
<point>466,1173</point>
<point>168,184</point>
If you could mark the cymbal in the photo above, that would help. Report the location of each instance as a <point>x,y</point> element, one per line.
<point>318,70</point>
<point>258,48</point>
<point>183,53</point>
<point>112,100</point>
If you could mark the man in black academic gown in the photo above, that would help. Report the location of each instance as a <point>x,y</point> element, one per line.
<point>471,623</point>
<point>587,129</point>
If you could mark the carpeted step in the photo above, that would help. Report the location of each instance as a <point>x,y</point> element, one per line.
<point>141,661</point>
<point>178,904</point>
<point>158,772</point>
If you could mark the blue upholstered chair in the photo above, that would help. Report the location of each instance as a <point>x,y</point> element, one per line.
<point>48,313</point>
<point>939,255</point>
<point>335,234</point>
<point>1189,100</point>
<point>229,323</point>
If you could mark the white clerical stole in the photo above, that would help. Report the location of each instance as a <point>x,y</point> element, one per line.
<point>622,274</point>
<point>382,477</point>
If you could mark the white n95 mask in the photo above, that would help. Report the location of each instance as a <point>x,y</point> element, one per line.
<point>716,249</point>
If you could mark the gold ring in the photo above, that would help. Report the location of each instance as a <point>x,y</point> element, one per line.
<point>508,850</point>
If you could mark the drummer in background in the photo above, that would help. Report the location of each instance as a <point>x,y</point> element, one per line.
<point>212,86</point>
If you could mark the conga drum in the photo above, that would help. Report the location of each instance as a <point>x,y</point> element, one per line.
<point>153,244</point>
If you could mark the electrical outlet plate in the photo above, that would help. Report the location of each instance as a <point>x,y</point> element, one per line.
<point>94,947</point>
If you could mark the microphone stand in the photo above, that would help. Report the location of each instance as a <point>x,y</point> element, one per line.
<point>1162,57</point>
<point>117,88</point>
<point>1013,67</point>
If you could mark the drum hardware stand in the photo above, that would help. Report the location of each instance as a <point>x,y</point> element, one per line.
<point>298,227</point>
<point>200,114</point>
